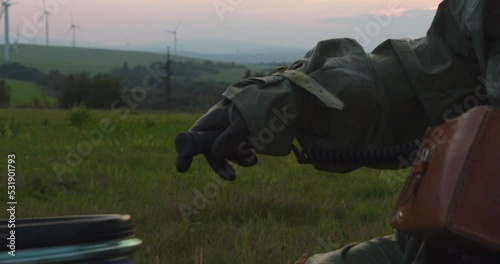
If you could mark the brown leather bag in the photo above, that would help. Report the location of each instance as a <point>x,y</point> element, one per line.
<point>452,195</point>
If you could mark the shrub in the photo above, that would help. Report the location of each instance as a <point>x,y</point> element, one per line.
<point>80,117</point>
<point>9,129</point>
<point>4,94</point>
<point>95,92</point>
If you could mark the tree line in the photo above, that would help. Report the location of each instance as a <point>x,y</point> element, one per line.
<point>101,90</point>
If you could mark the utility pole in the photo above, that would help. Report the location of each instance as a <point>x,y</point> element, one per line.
<point>168,84</point>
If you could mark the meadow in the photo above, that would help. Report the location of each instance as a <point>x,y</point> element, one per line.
<point>273,213</point>
<point>25,93</point>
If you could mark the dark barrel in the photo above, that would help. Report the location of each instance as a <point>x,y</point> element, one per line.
<point>107,239</point>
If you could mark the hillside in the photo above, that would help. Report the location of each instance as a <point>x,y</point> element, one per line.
<point>68,60</point>
<point>25,93</point>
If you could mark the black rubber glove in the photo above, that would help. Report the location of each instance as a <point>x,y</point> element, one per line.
<point>221,135</point>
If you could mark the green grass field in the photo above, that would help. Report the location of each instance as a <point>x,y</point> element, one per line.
<point>23,93</point>
<point>273,212</point>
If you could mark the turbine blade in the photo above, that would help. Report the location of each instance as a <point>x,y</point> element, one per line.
<point>72,18</point>
<point>70,28</point>
<point>177,27</point>
<point>1,12</point>
<point>17,34</point>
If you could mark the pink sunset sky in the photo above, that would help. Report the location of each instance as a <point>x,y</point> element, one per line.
<point>298,23</point>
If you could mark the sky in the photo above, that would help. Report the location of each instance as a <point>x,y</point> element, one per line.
<point>288,23</point>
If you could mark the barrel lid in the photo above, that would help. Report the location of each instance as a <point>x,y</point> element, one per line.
<point>34,233</point>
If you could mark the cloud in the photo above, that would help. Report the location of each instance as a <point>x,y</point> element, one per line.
<point>397,15</point>
<point>379,26</point>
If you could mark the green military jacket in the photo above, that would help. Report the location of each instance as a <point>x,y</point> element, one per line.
<point>350,99</point>
<point>340,97</point>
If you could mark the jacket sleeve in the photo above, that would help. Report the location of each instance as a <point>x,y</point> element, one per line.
<point>492,77</point>
<point>388,97</point>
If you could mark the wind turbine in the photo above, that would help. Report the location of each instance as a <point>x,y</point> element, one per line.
<point>174,32</point>
<point>74,28</point>
<point>46,13</point>
<point>16,41</point>
<point>5,12</point>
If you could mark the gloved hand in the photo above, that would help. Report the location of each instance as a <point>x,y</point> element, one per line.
<point>221,135</point>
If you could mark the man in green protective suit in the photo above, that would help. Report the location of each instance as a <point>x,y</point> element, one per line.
<point>339,97</point>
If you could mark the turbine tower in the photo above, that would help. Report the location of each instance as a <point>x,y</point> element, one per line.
<point>46,13</point>
<point>74,28</point>
<point>174,32</point>
<point>168,84</point>
<point>5,12</point>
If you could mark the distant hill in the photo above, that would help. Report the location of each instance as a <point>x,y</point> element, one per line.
<point>251,57</point>
<point>230,51</point>
<point>67,59</point>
